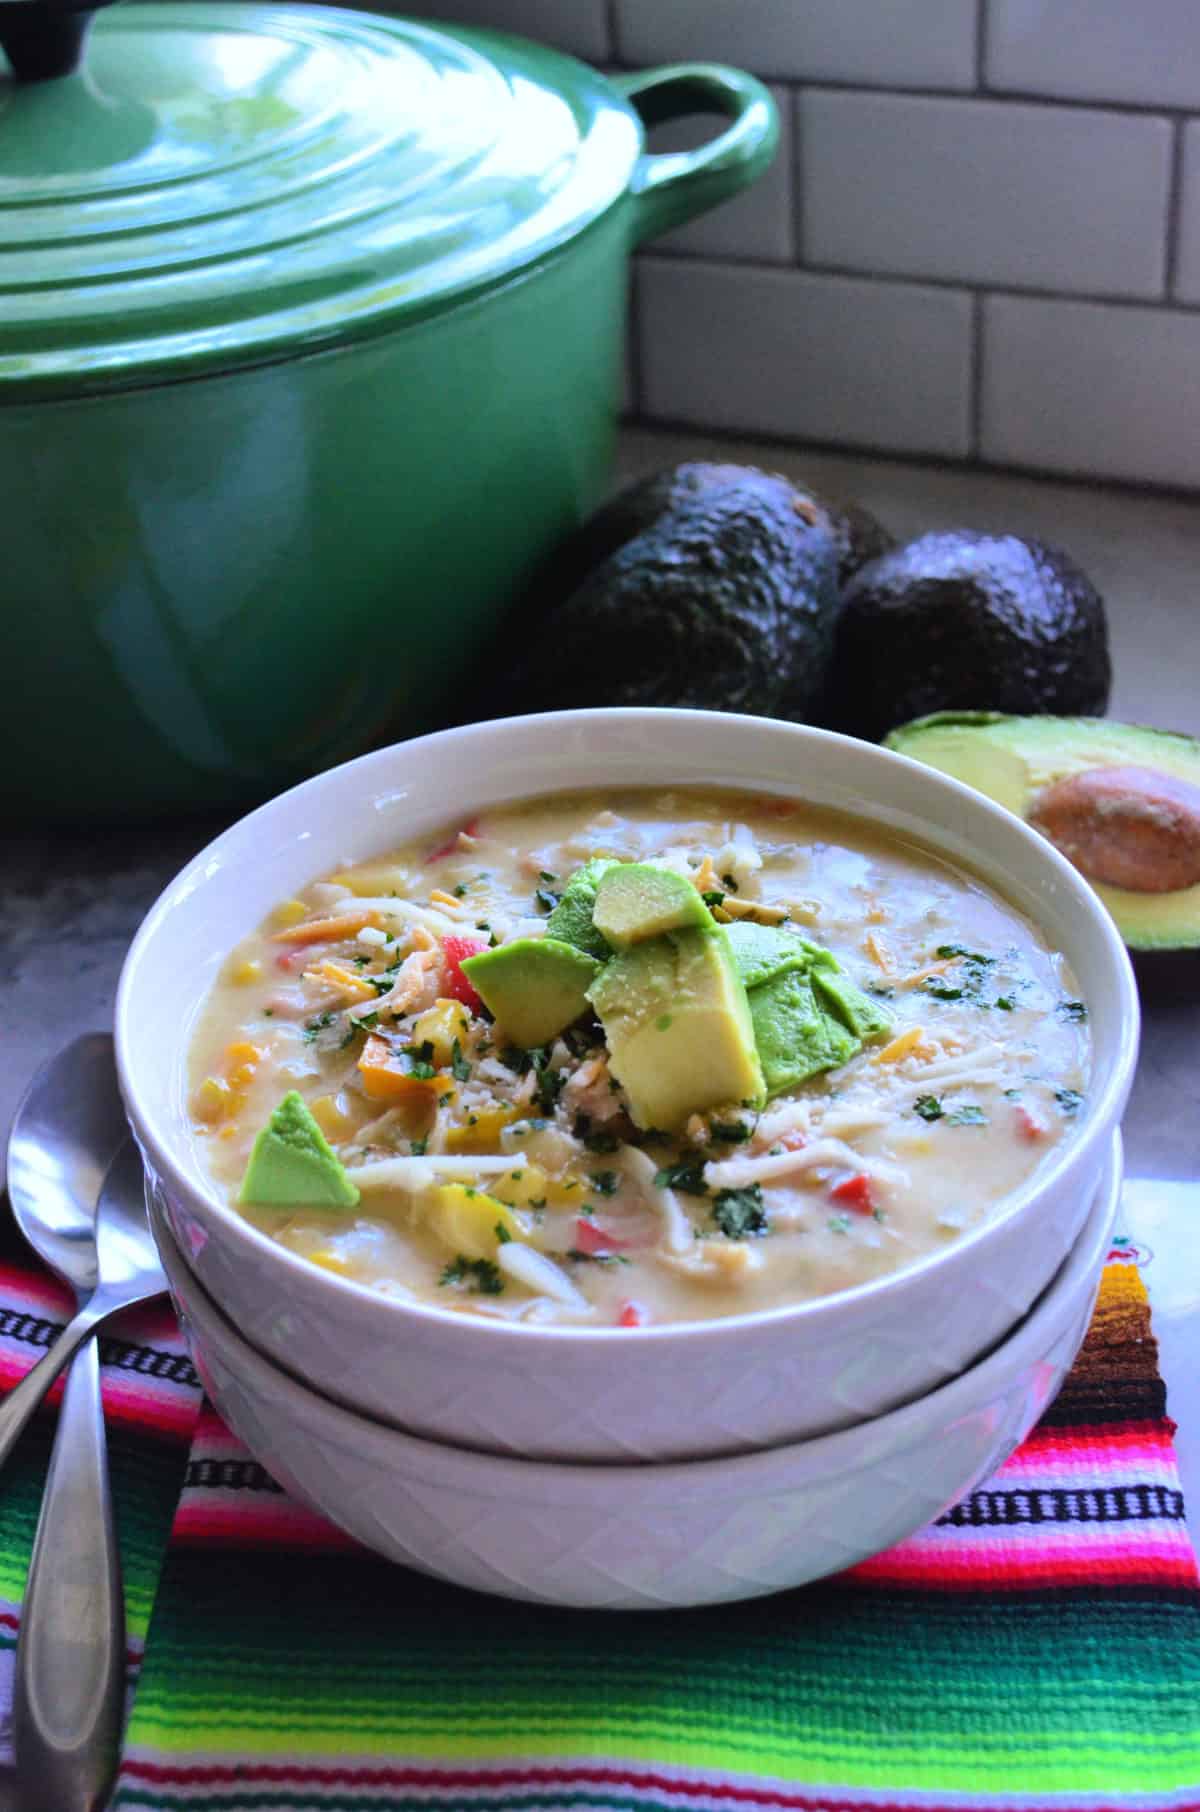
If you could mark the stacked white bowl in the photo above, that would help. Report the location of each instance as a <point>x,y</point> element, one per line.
<point>626,1468</point>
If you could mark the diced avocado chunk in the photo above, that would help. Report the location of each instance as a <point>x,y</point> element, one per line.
<point>794,1037</point>
<point>292,1164</point>
<point>677,1022</point>
<point>535,986</point>
<point>763,951</point>
<point>856,1010</point>
<point>571,920</point>
<point>637,900</point>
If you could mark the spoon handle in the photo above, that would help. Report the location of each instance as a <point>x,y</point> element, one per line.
<point>68,1695</point>
<point>21,1402</point>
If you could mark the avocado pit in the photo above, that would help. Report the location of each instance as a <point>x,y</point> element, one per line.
<point>1129,827</point>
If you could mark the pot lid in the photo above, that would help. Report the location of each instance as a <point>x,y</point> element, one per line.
<point>219,184</point>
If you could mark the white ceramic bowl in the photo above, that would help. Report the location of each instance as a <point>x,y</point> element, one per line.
<point>648,1537</point>
<point>657,1393</point>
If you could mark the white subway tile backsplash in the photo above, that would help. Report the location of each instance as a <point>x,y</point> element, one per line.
<point>1097,50</point>
<point>1067,199</point>
<point>577,26</point>
<point>1187,276</point>
<point>757,224</point>
<point>885,365</point>
<point>1085,388</point>
<point>905,44</point>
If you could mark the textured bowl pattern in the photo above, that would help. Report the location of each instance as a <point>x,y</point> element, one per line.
<point>649,1537</point>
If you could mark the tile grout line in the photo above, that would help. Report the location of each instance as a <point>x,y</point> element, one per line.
<point>1174,220</point>
<point>975,380</point>
<point>962,286</point>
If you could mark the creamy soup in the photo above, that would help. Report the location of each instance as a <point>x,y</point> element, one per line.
<point>626,1058</point>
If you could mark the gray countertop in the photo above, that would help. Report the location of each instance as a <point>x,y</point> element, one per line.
<point>70,902</point>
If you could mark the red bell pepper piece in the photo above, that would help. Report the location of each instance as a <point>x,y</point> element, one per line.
<point>631,1315</point>
<point>456,986</point>
<point>1028,1127</point>
<point>595,1241</point>
<point>855,1192</point>
<point>470,828</point>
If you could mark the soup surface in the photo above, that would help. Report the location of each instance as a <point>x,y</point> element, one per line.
<point>911,1053</point>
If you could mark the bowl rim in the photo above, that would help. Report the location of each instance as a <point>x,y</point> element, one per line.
<point>1028,1341</point>
<point>435,1321</point>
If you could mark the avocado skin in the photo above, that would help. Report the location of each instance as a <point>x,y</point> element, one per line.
<point>963,621</point>
<point>858,535</point>
<point>725,602</point>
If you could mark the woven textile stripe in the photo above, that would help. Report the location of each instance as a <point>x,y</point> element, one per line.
<point>1010,1657</point>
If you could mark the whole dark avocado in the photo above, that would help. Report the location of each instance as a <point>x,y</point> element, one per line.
<point>858,535</point>
<point>725,601</point>
<point>958,621</point>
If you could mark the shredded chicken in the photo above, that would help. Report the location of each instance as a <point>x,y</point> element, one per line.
<point>678,1232</point>
<point>738,1173</point>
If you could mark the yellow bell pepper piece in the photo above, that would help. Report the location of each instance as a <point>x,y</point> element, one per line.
<point>481,1132</point>
<point>443,1025</point>
<point>245,972</point>
<point>471,1223</point>
<point>528,1186</point>
<point>335,1115</point>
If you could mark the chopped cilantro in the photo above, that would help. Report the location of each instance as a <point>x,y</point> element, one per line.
<point>480,1275</point>
<point>460,889</point>
<point>713,897</point>
<point>1071,1009</point>
<point>739,1213</point>
<point>730,1132</point>
<point>545,875</point>
<point>969,1114</point>
<point>503,1236</point>
<point>940,990</point>
<point>418,1147</point>
<point>602,1142</point>
<point>687,1176</point>
<point>317,1025</point>
<point>596,1258</point>
<point>460,1069</point>
<point>729,884</point>
<point>839,1223</point>
<point>546,900</point>
<point>422,1072</point>
<point>604,1182</point>
<point>929,1107</point>
<point>268,1012</point>
<point>1069,1100</point>
<point>972,956</point>
<point>1005,1002</point>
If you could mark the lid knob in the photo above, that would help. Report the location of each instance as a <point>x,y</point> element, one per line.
<point>44,38</point>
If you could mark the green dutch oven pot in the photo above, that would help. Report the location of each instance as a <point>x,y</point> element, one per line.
<point>311,329</point>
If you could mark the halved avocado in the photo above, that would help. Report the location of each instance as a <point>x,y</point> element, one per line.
<point>1122,801</point>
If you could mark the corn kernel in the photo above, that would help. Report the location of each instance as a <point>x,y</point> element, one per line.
<point>333,1115</point>
<point>482,1131</point>
<point>212,1100</point>
<point>229,1131</point>
<point>290,913</point>
<point>243,1076</point>
<point>241,1051</point>
<point>242,974</point>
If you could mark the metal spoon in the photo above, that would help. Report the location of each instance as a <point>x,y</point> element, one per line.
<point>70,1662</point>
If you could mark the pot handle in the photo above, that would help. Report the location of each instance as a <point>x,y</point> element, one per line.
<point>672,186</point>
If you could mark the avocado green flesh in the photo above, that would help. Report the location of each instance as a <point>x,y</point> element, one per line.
<point>637,900</point>
<point>1012,759</point>
<point>534,986</point>
<point>807,1015</point>
<point>795,1039</point>
<point>292,1165</point>
<point>571,920</point>
<point>677,1023</point>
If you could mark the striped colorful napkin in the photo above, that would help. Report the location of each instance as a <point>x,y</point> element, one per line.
<point>1038,1647</point>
